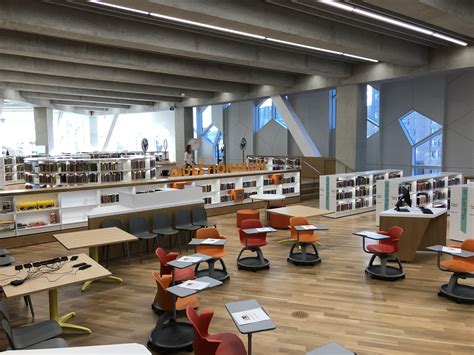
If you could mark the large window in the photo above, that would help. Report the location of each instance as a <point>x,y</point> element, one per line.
<point>204,128</point>
<point>373,111</point>
<point>266,111</point>
<point>426,137</point>
<point>17,128</point>
<point>71,132</point>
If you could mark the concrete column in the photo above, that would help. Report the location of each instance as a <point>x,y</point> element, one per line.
<point>351,128</point>
<point>44,128</point>
<point>183,118</point>
<point>93,132</point>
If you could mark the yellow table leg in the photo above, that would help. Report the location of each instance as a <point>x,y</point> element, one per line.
<point>94,254</point>
<point>53,314</point>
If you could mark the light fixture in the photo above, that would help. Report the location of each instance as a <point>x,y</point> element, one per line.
<point>241,33</point>
<point>392,21</point>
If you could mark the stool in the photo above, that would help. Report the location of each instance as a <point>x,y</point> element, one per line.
<point>278,221</point>
<point>242,215</point>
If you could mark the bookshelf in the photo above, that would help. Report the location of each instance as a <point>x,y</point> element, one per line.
<point>12,170</point>
<point>461,220</point>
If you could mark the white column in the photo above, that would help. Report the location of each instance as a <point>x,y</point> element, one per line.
<point>44,128</point>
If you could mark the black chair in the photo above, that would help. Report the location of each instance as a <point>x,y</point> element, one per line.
<point>34,334</point>
<point>162,226</point>
<point>199,217</point>
<point>182,222</point>
<point>8,260</point>
<point>109,223</point>
<point>138,226</point>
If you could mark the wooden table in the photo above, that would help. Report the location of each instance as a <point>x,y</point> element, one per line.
<point>66,275</point>
<point>421,230</point>
<point>267,198</point>
<point>93,239</point>
<point>300,211</point>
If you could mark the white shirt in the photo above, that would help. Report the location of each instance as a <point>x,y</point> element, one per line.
<point>188,158</point>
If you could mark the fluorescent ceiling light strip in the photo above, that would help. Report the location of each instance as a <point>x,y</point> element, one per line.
<point>204,25</point>
<point>302,45</point>
<point>349,8</point>
<point>359,57</point>
<point>120,7</point>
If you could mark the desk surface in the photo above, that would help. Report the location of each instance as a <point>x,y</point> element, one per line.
<point>300,210</point>
<point>461,254</point>
<point>185,292</point>
<point>94,238</point>
<point>184,264</point>
<point>241,306</point>
<point>67,275</point>
<point>330,349</point>
<point>195,241</point>
<point>414,213</point>
<point>267,197</point>
<point>116,349</point>
<point>257,231</point>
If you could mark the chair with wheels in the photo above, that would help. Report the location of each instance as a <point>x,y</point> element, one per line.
<point>109,223</point>
<point>138,226</point>
<point>210,344</point>
<point>216,251</point>
<point>162,227</point>
<point>303,239</point>
<point>462,268</point>
<point>169,334</point>
<point>180,303</point>
<point>25,337</point>
<point>252,242</point>
<point>199,217</point>
<point>8,260</point>
<point>385,250</point>
<point>182,221</point>
<point>4,252</point>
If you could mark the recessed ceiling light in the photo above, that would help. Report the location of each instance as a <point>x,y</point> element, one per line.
<point>387,19</point>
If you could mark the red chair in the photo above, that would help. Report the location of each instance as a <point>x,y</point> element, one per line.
<point>180,275</point>
<point>252,242</point>
<point>385,250</point>
<point>210,344</point>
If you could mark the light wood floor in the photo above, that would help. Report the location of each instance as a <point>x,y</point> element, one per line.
<point>367,316</point>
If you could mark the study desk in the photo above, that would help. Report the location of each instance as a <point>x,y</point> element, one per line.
<point>115,349</point>
<point>65,276</point>
<point>249,329</point>
<point>300,210</point>
<point>93,239</point>
<point>421,230</point>
<point>330,349</point>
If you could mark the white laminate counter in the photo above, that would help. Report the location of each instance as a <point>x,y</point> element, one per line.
<point>116,349</point>
<point>414,213</point>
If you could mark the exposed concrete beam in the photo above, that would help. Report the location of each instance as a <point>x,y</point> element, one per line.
<point>454,15</point>
<point>87,92</point>
<point>94,72</point>
<point>64,81</point>
<point>87,104</point>
<point>267,20</point>
<point>64,97</point>
<point>56,21</point>
<point>30,45</point>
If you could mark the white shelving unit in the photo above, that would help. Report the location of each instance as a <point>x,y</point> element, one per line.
<point>461,220</point>
<point>352,193</point>
<point>12,171</point>
<point>276,163</point>
<point>429,190</point>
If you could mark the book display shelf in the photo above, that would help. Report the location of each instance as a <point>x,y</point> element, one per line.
<point>352,193</point>
<point>461,220</point>
<point>429,190</point>
<point>276,163</point>
<point>12,170</point>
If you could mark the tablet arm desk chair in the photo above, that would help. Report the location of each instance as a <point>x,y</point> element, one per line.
<point>303,239</point>
<point>216,251</point>
<point>462,267</point>
<point>211,344</point>
<point>385,250</point>
<point>252,242</point>
<point>163,302</point>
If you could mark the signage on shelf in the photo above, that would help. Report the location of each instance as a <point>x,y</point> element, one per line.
<point>210,169</point>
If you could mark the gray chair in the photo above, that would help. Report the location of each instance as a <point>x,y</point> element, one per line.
<point>138,226</point>
<point>182,222</point>
<point>9,260</point>
<point>162,226</point>
<point>27,340</point>
<point>24,337</point>
<point>4,252</point>
<point>199,217</point>
<point>109,223</point>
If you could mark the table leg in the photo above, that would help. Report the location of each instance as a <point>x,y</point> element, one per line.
<point>53,314</point>
<point>94,254</point>
<point>249,346</point>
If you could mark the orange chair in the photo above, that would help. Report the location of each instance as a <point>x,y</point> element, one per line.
<point>170,335</point>
<point>163,302</point>
<point>277,220</point>
<point>385,250</point>
<point>180,275</point>
<point>242,215</point>
<point>303,239</point>
<point>462,268</point>
<point>216,251</point>
<point>252,242</point>
<point>212,344</point>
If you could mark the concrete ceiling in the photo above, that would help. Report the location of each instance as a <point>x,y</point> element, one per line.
<point>74,53</point>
